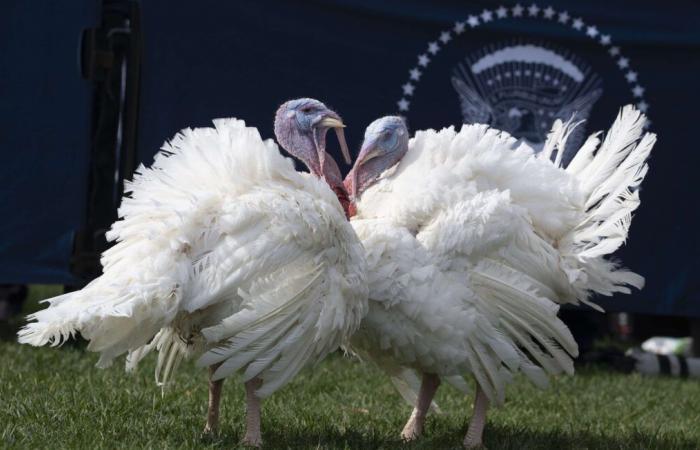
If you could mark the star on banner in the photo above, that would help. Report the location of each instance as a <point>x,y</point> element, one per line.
<point>423,60</point>
<point>433,48</point>
<point>415,74</point>
<point>534,10</point>
<point>638,91</point>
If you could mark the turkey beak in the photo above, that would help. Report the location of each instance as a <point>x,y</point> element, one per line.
<point>369,150</point>
<point>333,121</point>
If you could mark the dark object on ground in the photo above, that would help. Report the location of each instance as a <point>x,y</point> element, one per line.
<point>12,296</point>
<point>695,334</point>
<point>586,326</point>
<point>664,365</point>
<point>610,357</point>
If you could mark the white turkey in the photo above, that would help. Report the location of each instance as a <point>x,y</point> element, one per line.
<point>471,243</point>
<point>225,252</point>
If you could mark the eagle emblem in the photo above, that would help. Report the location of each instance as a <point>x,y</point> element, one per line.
<point>524,88</point>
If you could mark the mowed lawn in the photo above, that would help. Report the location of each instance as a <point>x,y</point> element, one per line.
<point>56,398</point>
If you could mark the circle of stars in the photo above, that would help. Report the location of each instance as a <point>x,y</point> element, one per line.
<point>531,11</point>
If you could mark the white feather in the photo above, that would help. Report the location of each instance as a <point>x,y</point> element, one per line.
<point>471,244</point>
<point>222,251</point>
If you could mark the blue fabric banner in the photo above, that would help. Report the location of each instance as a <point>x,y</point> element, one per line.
<point>44,134</point>
<point>516,66</point>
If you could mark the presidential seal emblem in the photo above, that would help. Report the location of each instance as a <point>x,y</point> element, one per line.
<point>521,86</point>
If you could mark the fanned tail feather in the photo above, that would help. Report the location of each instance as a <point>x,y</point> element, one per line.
<point>556,139</point>
<point>609,180</point>
<point>56,324</point>
<point>113,321</point>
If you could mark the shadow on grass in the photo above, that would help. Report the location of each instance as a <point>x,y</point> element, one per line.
<point>278,436</point>
<point>504,437</point>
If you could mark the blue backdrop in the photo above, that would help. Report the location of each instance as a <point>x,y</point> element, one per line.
<point>210,59</point>
<point>44,120</point>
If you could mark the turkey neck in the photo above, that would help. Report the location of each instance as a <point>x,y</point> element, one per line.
<point>332,175</point>
<point>344,200</point>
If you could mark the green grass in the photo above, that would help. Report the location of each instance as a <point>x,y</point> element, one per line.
<point>56,398</point>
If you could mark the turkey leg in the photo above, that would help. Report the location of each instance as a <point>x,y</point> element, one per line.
<point>414,427</point>
<point>473,439</point>
<point>252,418</point>
<point>212,425</point>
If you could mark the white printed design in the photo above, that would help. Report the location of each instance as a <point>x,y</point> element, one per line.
<point>532,12</point>
<point>523,88</point>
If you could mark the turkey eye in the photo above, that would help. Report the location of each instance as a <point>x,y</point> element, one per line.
<point>391,140</point>
<point>306,109</point>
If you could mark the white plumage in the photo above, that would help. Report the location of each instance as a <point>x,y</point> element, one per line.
<point>471,243</point>
<point>223,251</point>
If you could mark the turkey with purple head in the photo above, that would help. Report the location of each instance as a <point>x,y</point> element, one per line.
<point>472,241</point>
<point>224,252</point>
